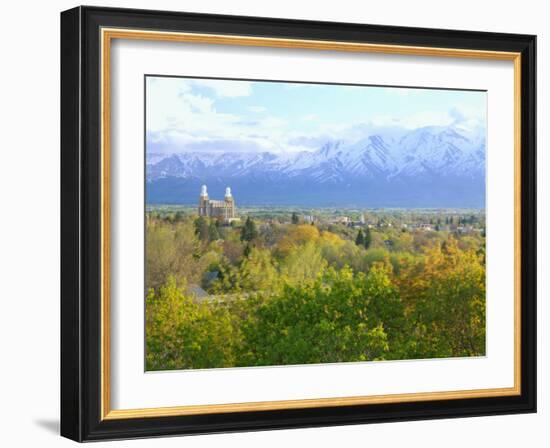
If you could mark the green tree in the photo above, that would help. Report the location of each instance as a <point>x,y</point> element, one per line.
<point>228,280</point>
<point>183,334</point>
<point>213,233</point>
<point>258,272</point>
<point>249,231</point>
<point>294,219</point>
<point>360,239</point>
<point>171,249</point>
<point>303,263</point>
<point>202,228</point>
<point>386,309</point>
<point>320,322</point>
<point>368,238</point>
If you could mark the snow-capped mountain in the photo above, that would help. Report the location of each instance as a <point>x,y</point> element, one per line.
<point>426,167</point>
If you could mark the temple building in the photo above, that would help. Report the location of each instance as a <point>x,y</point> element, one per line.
<point>212,208</point>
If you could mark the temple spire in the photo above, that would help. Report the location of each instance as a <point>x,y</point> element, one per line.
<point>203,191</point>
<point>228,192</point>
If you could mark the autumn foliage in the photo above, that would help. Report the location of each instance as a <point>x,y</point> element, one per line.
<point>278,294</point>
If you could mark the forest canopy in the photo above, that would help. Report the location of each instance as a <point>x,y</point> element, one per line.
<point>277,291</point>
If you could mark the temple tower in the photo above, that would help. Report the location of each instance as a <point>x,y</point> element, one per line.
<point>203,202</point>
<point>229,211</point>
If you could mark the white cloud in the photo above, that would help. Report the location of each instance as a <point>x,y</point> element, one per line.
<point>172,105</point>
<point>198,103</point>
<point>257,109</point>
<point>457,115</point>
<point>227,89</point>
<point>454,116</point>
<point>415,121</point>
<point>179,120</point>
<point>272,122</point>
<point>179,141</point>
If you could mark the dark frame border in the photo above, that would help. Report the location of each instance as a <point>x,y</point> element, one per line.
<point>81,224</point>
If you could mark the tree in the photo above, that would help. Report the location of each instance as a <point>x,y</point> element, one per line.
<point>297,235</point>
<point>303,233</point>
<point>319,322</point>
<point>447,289</point>
<point>360,240</point>
<point>184,334</point>
<point>201,228</point>
<point>249,231</point>
<point>258,272</point>
<point>295,219</point>
<point>171,249</point>
<point>303,263</point>
<point>213,233</point>
<point>331,238</point>
<point>368,238</point>
<point>386,309</point>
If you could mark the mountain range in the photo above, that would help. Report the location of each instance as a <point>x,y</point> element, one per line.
<point>427,167</point>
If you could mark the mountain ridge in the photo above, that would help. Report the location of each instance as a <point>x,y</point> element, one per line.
<point>429,166</point>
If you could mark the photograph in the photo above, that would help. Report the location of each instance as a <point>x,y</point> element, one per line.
<point>290,223</point>
<point>284,221</point>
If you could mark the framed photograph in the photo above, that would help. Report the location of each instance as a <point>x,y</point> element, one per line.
<point>274,223</point>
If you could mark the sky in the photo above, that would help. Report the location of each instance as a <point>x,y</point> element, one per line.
<point>207,115</point>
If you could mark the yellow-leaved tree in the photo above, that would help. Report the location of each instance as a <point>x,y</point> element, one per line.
<point>445,297</point>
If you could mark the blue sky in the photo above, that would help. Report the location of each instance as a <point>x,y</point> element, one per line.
<point>185,114</point>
